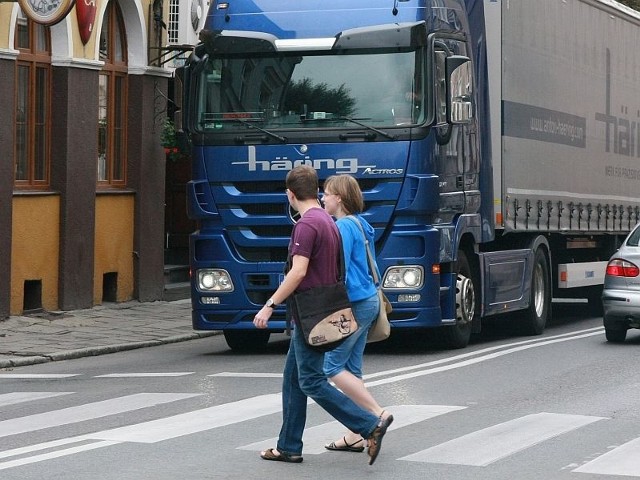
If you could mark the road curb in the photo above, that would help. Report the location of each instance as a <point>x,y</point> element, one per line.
<point>100,350</point>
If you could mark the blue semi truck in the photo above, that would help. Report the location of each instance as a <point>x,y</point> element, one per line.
<point>496,143</point>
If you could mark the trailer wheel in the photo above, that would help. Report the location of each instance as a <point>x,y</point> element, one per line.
<point>458,335</point>
<point>247,340</point>
<point>540,303</point>
<point>594,297</point>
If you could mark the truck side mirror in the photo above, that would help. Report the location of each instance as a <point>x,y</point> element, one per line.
<point>459,89</point>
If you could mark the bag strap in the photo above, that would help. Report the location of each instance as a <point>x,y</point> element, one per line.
<point>341,268</point>
<point>372,263</point>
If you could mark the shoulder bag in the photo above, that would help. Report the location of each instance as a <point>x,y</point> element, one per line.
<point>324,313</point>
<point>380,329</point>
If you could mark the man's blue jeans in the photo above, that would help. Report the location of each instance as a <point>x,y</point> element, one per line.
<point>304,377</point>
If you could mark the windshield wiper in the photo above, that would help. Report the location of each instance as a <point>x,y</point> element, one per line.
<point>369,127</point>
<point>260,129</point>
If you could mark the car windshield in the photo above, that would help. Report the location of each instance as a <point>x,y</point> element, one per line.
<point>311,91</point>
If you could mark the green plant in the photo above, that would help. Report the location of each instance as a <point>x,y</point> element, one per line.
<point>169,140</point>
<point>168,136</point>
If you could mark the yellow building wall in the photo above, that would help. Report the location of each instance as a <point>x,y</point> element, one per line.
<point>35,248</point>
<point>114,244</point>
<point>5,13</point>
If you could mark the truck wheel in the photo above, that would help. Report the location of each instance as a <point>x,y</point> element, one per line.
<point>246,340</point>
<point>538,312</point>
<point>458,335</point>
<point>595,301</point>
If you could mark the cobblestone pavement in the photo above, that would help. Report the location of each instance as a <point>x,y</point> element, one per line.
<point>51,336</point>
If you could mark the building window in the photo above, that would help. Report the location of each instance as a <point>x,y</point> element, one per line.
<point>33,104</point>
<point>112,100</point>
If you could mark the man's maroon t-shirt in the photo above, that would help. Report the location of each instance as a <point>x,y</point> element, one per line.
<point>316,237</point>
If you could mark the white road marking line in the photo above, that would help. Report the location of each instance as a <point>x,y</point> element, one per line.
<point>623,460</point>
<point>534,342</point>
<point>454,362</point>
<point>473,361</point>
<point>87,411</point>
<point>39,376</point>
<point>489,445</point>
<point>41,446</point>
<point>20,397</point>
<point>316,437</point>
<point>142,375</point>
<point>57,454</point>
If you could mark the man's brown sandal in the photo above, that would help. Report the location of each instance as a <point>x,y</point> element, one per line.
<point>375,440</point>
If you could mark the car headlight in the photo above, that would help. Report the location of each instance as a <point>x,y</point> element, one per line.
<point>214,280</point>
<point>410,276</point>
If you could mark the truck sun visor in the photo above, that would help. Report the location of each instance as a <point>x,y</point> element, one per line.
<point>396,35</point>
<point>383,36</point>
<point>230,42</point>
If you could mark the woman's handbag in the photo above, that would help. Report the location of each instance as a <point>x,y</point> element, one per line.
<point>380,329</point>
<point>324,313</point>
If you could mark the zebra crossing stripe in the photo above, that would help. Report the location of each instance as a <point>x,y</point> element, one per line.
<point>149,432</point>
<point>489,445</point>
<point>316,437</point>
<point>194,422</point>
<point>20,397</point>
<point>623,460</point>
<point>145,375</point>
<point>87,411</point>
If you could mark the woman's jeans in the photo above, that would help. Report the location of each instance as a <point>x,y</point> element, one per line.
<point>348,356</point>
<point>304,377</point>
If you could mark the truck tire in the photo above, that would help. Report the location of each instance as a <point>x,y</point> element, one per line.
<point>540,302</point>
<point>246,340</point>
<point>458,335</point>
<point>594,298</point>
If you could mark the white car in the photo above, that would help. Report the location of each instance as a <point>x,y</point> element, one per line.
<point>621,294</point>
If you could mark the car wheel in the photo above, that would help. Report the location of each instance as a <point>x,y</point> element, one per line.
<point>246,340</point>
<point>615,335</point>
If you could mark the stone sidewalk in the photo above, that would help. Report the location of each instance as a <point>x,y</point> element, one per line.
<point>51,336</point>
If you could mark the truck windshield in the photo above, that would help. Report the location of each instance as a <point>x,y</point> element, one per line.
<point>311,91</point>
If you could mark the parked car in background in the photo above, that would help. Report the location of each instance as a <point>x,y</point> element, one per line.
<point>621,294</point>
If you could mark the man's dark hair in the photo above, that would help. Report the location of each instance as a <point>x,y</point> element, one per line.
<point>302,181</point>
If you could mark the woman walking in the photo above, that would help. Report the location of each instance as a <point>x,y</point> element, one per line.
<point>343,199</point>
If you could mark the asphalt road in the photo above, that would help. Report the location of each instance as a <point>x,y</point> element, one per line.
<point>559,406</point>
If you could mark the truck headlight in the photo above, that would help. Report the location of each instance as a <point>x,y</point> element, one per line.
<point>410,276</point>
<point>214,280</point>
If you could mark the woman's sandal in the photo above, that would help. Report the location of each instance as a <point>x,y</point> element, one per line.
<point>347,447</point>
<point>276,455</point>
<point>375,440</point>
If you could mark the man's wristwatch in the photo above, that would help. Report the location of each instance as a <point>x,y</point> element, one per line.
<point>270,303</point>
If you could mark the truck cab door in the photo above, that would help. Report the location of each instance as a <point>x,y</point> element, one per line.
<point>455,145</point>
